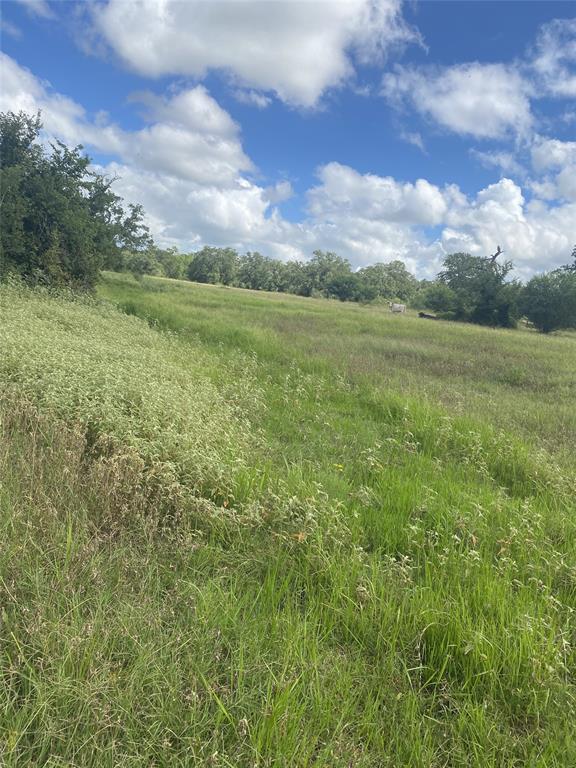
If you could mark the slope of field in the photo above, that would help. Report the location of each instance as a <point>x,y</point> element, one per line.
<point>271,531</point>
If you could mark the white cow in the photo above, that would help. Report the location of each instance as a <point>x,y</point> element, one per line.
<point>397,307</point>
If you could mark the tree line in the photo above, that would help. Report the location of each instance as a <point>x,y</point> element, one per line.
<point>325,274</point>
<point>469,288</point>
<point>63,224</point>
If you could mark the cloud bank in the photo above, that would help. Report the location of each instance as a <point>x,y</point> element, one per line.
<point>187,166</point>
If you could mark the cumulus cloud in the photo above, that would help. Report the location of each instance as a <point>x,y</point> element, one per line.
<point>554,58</point>
<point>279,192</point>
<point>375,198</point>
<point>187,213</point>
<point>551,153</point>
<point>188,169</point>
<point>487,101</point>
<point>555,162</point>
<point>378,219</point>
<point>535,236</point>
<point>296,50</point>
<point>190,136</point>
<point>21,90</point>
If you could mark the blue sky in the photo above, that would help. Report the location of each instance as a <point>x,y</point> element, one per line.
<point>375,128</point>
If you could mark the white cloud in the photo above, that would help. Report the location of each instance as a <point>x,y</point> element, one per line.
<point>190,135</point>
<point>252,98</point>
<point>554,58</point>
<point>487,101</point>
<point>414,138</point>
<point>557,161</point>
<point>295,49</point>
<point>371,218</point>
<point>185,212</point>
<point>188,169</point>
<point>21,90</point>
<point>374,198</point>
<point>548,154</point>
<point>535,236</point>
<point>279,192</point>
<point>503,161</point>
<point>38,8</point>
<point>6,27</point>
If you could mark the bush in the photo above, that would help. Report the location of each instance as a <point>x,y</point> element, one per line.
<point>437,297</point>
<point>549,301</point>
<point>60,220</point>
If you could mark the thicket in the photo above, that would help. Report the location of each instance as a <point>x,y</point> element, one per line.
<point>61,221</point>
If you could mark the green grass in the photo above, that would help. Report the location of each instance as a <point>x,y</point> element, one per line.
<point>258,530</point>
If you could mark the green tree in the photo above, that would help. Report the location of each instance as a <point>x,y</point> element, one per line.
<point>257,272</point>
<point>481,294</point>
<point>344,286</point>
<point>572,267</point>
<point>141,263</point>
<point>436,296</point>
<point>172,263</point>
<point>294,278</point>
<point>323,269</point>
<point>390,281</point>
<point>213,265</point>
<point>549,300</point>
<point>61,222</point>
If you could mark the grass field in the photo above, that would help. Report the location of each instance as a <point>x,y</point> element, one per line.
<point>245,529</point>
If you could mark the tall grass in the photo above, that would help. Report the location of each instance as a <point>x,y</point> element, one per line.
<point>128,387</point>
<point>354,573</point>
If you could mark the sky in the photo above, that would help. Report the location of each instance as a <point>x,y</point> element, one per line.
<point>378,129</point>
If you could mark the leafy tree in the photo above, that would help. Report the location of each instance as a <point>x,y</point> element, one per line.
<point>172,263</point>
<point>481,294</point>
<point>141,263</point>
<point>61,222</point>
<point>323,269</point>
<point>345,287</point>
<point>257,272</point>
<point>214,265</point>
<point>572,267</point>
<point>390,281</point>
<point>295,278</point>
<point>436,296</point>
<point>549,300</point>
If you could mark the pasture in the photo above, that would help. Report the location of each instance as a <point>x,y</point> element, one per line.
<point>246,529</point>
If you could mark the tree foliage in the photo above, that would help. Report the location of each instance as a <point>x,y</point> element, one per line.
<point>214,265</point>
<point>481,293</point>
<point>436,296</point>
<point>61,222</point>
<point>390,281</point>
<point>549,301</point>
<point>572,267</point>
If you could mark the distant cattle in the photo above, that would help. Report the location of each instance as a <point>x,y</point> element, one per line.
<point>397,307</point>
<point>427,316</point>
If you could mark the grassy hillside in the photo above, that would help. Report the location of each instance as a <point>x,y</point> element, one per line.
<point>259,530</point>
